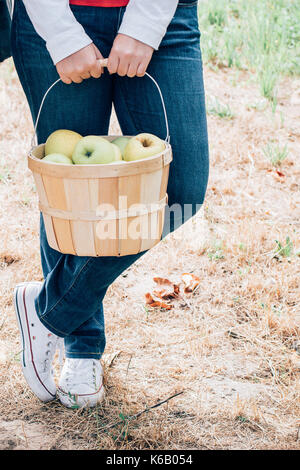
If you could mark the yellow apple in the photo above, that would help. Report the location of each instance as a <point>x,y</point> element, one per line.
<point>62,141</point>
<point>57,158</point>
<point>121,142</point>
<point>118,154</point>
<point>143,146</point>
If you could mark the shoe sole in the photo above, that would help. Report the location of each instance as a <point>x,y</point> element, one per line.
<point>70,400</point>
<point>29,369</point>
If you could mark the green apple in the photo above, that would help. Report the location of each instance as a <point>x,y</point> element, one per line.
<point>121,142</point>
<point>62,141</point>
<point>57,158</point>
<point>92,150</point>
<point>143,146</point>
<point>118,154</point>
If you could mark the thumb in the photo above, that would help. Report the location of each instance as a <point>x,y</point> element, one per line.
<point>97,70</point>
<point>97,52</point>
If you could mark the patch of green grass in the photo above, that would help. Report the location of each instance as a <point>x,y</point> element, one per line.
<point>242,419</point>
<point>275,153</point>
<point>285,250</point>
<point>217,17</point>
<point>268,79</point>
<point>216,108</point>
<point>257,35</point>
<point>216,252</point>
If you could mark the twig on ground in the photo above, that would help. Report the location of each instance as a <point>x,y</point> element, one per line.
<point>137,415</point>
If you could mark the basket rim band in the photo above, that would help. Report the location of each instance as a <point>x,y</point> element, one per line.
<point>145,209</point>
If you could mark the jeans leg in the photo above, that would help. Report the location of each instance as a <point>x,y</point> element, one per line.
<point>49,257</point>
<point>88,340</point>
<point>77,285</point>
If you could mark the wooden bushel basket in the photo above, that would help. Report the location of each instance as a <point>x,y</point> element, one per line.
<point>102,210</point>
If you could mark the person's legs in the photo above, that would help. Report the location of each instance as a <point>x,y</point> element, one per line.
<point>178,69</point>
<point>89,337</point>
<point>75,286</point>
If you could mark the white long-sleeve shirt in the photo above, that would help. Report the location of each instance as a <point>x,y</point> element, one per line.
<point>53,20</point>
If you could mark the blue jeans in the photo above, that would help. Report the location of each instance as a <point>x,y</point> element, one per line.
<point>70,302</point>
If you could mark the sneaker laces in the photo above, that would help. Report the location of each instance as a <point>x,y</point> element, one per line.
<point>81,373</point>
<point>52,346</point>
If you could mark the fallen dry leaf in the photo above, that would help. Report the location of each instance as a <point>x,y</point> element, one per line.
<point>168,291</point>
<point>190,281</point>
<point>156,303</point>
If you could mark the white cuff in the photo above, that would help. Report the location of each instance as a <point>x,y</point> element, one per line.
<point>54,21</point>
<point>62,45</point>
<point>134,26</point>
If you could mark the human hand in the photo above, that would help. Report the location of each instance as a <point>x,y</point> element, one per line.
<point>129,57</point>
<point>81,65</point>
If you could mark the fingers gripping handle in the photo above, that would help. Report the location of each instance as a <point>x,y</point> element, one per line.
<point>103,63</point>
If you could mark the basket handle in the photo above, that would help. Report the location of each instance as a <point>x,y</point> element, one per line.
<point>103,63</point>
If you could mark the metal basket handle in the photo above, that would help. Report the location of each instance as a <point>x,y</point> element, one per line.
<point>103,63</point>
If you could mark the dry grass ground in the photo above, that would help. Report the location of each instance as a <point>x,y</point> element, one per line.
<point>232,346</point>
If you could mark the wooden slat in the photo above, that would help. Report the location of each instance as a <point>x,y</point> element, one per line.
<point>150,193</point>
<point>78,199</point>
<point>164,182</point>
<point>47,219</point>
<point>94,194</point>
<point>130,193</point>
<point>160,223</point>
<point>151,222</point>
<point>108,192</point>
<point>151,187</point>
<point>55,191</point>
<point>63,235</point>
<point>83,238</point>
<point>105,234</point>
<point>51,237</point>
<point>40,189</point>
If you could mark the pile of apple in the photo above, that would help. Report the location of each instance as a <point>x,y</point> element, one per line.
<point>68,148</point>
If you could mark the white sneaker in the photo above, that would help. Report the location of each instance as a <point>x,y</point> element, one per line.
<point>81,383</point>
<point>39,344</point>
